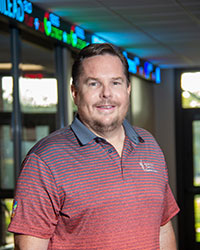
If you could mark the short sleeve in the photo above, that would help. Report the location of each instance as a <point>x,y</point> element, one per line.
<point>170,207</point>
<point>36,203</point>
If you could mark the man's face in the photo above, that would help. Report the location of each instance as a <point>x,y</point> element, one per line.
<point>102,96</point>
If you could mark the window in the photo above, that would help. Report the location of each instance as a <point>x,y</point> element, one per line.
<point>190,85</point>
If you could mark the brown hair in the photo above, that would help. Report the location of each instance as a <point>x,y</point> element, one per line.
<point>95,50</point>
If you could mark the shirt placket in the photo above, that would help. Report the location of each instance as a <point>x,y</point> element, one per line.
<point>111,153</point>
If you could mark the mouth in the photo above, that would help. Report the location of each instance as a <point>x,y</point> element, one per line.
<point>105,106</point>
<point>106,109</point>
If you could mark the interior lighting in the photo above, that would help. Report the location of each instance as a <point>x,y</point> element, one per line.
<point>31,67</point>
<point>24,67</point>
<point>190,82</point>
<point>5,66</point>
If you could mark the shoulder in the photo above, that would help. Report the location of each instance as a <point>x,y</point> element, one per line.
<point>146,135</point>
<point>50,151</point>
<point>58,139</point>
<point>149,139</point>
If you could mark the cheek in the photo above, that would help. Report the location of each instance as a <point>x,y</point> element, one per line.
<point>86,99</point>
<point>90,97</point>
<point>123,97</point>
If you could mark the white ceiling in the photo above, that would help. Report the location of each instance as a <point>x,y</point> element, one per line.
<point>164,32</point>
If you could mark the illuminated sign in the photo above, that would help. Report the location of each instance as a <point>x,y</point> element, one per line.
<point>15,9</point>
<point>157,75</point>
<point>143,68</point>
<point>33,75</point>
<point>74,38</point>
<point>52,26</point>
<point>55,20</point>
<point>80,32</point>
<point>50,29</point>
<point>96,39</point>
<point>132,63</point>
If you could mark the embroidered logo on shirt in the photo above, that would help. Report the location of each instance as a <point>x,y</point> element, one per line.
<point>148,167</point>
<point>14,208</point>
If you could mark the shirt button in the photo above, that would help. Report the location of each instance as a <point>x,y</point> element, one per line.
<point>98,139</point>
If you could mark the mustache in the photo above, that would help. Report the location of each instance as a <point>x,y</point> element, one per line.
<point>104,103</point>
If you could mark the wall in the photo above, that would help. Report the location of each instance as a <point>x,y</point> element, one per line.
<point>142,104</point>
<point>164,108</point>
<point>165,121</point>
<point>152,108</point>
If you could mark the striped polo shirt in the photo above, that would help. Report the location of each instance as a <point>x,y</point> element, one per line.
<point>76,190</point>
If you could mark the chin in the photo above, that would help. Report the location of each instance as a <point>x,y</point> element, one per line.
<point>102,126</point>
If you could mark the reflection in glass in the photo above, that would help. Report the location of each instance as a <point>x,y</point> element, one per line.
<point>6,210</point>
<point>31,136</point>
<point>5,66</point>
<point>36,95</point>
<point>190,85</point>
<point>6,97</point>
<point>197,216</point>
<point>196,152</point>
<point>6,158</point>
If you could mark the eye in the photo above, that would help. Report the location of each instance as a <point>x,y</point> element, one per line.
<point>93,84</point>
<point>116,83</point>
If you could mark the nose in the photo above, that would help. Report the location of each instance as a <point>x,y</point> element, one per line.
<point>106,91</point>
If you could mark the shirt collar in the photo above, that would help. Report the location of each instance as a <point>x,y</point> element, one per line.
<point>84,135</point>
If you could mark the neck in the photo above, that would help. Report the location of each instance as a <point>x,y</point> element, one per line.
<point>115,138</point>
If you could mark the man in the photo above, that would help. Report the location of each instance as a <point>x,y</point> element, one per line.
<point>100,183</point>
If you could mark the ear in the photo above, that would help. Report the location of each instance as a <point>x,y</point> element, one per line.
<point>74,93</point>
<point>129,88</point>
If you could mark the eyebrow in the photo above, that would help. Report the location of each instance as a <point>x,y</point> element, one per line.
<point>117,78</point>
<point>97,79</point>
<point>91,78</point>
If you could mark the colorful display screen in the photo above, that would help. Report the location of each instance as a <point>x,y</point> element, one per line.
<point>52,26</point>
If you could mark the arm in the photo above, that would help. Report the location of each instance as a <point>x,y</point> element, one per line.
<point>26,242</point>
<point>167,237</point>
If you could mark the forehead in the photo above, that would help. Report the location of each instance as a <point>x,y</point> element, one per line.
<point>103,64</point>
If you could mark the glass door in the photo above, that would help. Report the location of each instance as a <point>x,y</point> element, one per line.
<point>196,179</point>
<point>6,140</point>
<point>188,158</point>
<point>35,127</point>
<point>189,170</point>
